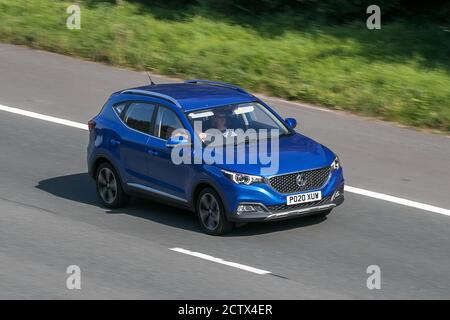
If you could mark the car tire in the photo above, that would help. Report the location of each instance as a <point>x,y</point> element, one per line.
<point>109,187</point>
<point>211,213</point>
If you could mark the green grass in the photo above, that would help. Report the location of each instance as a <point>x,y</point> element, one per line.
<point>399,73</point>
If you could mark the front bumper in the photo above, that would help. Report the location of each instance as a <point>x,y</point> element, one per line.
<point>282,212</point>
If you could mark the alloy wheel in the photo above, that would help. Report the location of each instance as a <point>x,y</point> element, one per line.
<point>209,211</point>
<point>107,185</point>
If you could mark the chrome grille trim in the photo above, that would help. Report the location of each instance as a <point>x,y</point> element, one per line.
<point>299,212</point>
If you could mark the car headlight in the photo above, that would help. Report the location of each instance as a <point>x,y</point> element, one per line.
<point>241,178</point>
<point>336,164</point>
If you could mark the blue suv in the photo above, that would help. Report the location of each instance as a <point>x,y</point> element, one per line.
<point>133,138</point>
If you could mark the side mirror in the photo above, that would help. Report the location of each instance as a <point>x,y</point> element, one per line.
<point>177,141</point>
<point>291,122</point>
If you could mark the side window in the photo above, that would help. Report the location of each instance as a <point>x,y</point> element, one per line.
<point>166,122</point>
<point>139,116</point>
<point>118,108</point>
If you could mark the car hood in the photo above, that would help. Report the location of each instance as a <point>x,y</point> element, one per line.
<point>296,153</point>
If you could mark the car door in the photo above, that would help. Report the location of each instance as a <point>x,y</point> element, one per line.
<point>133,146</point>
<point>167,176</point>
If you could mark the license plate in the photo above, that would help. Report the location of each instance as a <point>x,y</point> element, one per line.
<point>304,197</point>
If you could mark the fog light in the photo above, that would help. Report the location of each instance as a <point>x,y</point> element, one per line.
<point>249,208</point>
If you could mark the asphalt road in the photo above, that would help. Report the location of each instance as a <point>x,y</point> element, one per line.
<point>50,217</point>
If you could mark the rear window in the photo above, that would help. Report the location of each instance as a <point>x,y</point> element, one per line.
<point>118,108</point>
<point>139,116</point>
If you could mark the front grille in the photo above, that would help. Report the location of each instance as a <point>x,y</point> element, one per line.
<point>285,207</point>
<point>287,183</point>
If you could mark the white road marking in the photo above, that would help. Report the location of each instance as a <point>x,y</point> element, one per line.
<point>402,201</point>
<point>360,191</point>
<point>44,117</point>
<point>221,261</point>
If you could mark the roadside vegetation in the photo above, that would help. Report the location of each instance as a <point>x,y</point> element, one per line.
<point>318,53</point>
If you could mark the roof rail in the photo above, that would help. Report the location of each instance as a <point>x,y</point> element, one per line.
<point>152,94</point>
<point>219,84</point>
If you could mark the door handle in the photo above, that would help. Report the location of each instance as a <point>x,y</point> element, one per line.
<point>114,142</point>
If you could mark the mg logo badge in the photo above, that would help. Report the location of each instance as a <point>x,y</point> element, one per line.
<point>301,180</point>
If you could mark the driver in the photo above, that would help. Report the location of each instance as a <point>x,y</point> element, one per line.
<point>219,122</point>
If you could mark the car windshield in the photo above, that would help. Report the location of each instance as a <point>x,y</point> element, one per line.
<point>228,119</point>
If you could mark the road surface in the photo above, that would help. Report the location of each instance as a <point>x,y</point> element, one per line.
<point>50,217</point>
